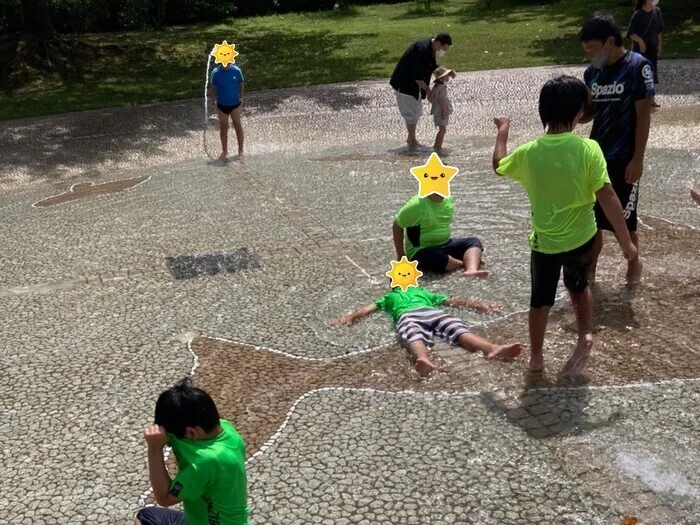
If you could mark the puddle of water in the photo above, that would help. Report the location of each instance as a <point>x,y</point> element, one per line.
<point>651,473</point>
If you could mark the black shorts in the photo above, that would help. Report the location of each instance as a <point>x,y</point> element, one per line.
<point>435,259</point>
<point>160,516</point>
<point>545,269</point>
<point>627,193</point>
<point>227,109</point>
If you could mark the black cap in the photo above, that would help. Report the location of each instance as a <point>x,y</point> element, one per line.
<point>444,38</point>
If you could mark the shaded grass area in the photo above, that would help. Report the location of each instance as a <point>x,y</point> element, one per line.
<point>328,47</point>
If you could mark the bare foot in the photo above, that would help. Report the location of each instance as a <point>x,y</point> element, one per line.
<point>634,272</point>
<point>695,195</point>
<point>577,362</point>
<point>423,366</point>
<point>240,152</point>
<point>476,273</point>
<point>536,363</point>
<point>224,156</point>
<point>505,352</point>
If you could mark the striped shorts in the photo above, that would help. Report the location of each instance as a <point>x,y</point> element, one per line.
<point>422,325</point>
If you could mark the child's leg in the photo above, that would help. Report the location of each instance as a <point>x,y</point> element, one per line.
<point>412,141</point>
<point>537,321</point>
<point>576,282</point>
<point>439,138</point>
<point>545,270</point>
<point>223,133</point>
<point>474,343</point>
<point>597,249</point>
<point>583,308</point>
<point>238,127</point>
<point>422,365</point>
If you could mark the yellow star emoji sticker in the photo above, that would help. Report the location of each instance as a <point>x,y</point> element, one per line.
<point>224,53</point>
<point>434,177</point>
<point>404,273</point>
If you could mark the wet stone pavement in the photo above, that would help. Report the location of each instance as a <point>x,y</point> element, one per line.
<point>131,260</point>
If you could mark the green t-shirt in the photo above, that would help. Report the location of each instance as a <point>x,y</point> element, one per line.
<point>428,223</point>
<point>398,302</point>
<point>211,479</point>
<point>561,174</point>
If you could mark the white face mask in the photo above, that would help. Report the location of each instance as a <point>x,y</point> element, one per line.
<point>439,52</point>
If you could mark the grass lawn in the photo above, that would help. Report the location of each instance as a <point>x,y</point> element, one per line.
<point>328,47</point>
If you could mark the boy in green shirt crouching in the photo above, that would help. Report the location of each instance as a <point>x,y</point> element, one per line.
<point>562,174</point>
<point>211,479</point>
<point>417,319</point>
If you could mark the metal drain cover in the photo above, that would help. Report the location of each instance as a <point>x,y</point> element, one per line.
<point>190,266</point>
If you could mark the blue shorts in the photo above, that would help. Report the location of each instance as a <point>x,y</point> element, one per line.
<point>160,516</point>
<point>434,259</point>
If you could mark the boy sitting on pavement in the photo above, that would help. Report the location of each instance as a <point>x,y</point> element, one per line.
<point>211,480</point>
<point>563,175</point>
<point>422,229</point>
<point>418,319</point>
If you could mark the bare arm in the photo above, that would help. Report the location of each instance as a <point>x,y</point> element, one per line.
<point>397,234</point>
<point>356,315</point>
<point>241,89</point>
<point>443,103</point>
<point>637,39</point>
<point>641,135</point>
<point>460,302</point>
<point>158,474</point>
<point>613,211</point>
<point>500,151</point>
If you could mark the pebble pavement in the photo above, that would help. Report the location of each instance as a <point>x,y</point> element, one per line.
<point>95,326</point>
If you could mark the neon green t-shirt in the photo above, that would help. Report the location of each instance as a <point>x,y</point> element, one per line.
<point>211,479</point>
<point>561,174</point>
<point>428,223</point>
<point>398,302</point>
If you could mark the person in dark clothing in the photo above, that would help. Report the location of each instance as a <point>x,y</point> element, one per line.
<point>621,84</point>
<point>645,30</point>
<point>411,79</point>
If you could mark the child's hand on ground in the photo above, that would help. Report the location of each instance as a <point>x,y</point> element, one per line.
<point>155,436</point>
<point>344,320</point>
<point>502,123</point>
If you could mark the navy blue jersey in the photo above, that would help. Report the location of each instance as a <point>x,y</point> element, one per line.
<point>615,89</point>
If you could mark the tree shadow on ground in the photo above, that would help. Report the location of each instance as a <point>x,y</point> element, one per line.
<point>42,148</point>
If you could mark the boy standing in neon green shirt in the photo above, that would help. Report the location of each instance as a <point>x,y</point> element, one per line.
<point>563,175</point>
<point>417,319</point>
<point>211,481</point>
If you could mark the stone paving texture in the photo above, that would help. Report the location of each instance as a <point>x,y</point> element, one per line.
<point>94,325</point>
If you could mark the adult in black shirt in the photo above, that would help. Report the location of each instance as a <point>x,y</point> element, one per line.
<point>411,79</point>
<point>645,29</point>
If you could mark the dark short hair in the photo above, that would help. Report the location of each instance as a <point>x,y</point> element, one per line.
<point>600,26</point>
<point>561,99</point>
<point>185,406</point>
<point>444,39</point>
<point>640,4</point>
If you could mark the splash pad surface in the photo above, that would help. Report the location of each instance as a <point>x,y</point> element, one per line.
<point>338,427</point>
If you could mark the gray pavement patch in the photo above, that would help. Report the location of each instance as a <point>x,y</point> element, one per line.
<point>191,266</point>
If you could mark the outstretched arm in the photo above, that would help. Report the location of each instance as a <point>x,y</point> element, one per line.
<point>500,151</point>
<point>358,314</point>
<point>460,302</point>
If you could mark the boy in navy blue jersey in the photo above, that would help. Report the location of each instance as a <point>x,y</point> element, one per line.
<point>227,89</point>
<point>621,84</point>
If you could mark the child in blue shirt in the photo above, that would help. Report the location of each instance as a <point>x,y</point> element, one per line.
<point>226,88</point>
